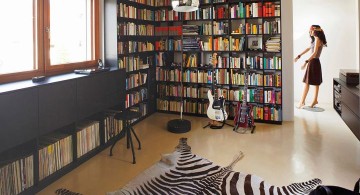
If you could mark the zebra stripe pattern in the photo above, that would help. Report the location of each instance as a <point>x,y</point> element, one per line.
<point>187,173</point>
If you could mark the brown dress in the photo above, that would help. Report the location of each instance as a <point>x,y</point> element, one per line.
<point>313,74</point>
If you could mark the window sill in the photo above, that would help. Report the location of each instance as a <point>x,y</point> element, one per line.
<point>18,85</point>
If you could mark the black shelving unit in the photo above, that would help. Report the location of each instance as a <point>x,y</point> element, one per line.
<point>254,32</point>
<point>45,116</point>
<point>346,99</point>
<point>136,48</point>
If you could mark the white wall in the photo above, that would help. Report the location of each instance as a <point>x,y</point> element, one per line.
<point>287,63</point>
<point>339,20</point>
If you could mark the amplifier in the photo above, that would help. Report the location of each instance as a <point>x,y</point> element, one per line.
<point>349,76</point>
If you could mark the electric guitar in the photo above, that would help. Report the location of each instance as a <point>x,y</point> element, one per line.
<point>216,110</point>
<point>244,116</point>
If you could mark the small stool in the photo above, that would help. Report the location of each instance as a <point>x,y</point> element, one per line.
<point>127,116</point>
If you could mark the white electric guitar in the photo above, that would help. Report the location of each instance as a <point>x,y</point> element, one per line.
<point>216,110</point>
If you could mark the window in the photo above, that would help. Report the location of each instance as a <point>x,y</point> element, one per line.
<point>18,39</point>
<point>45,37</point>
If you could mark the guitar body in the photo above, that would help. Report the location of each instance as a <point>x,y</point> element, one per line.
<point>216,107</point>
<point>244,118</point>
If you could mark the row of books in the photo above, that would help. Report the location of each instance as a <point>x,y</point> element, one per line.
<point>135,80</point>
<point>132,63</point>
<point>130,28</point>
<point>160,59</point>
<point>221,12</point>
<point>240,10</point>
<point>17,176</point>
<point>220,28</point>
<point>191,44</point>
<point>146,2</point>
<point>205,13</point>
<point>272,80</point>
<point>112,126</point>
<point>253,29</point>
<point>255,9</point>
<point>142,108</point>
<point>222,62</point>
<point>168,45</point>
<point>272,97</point>
<point>191,60</point>
<point>254,62</point>
<point>128,11</point>
<point>135,97</point>
<point>162,3</point>
<point>168,30</point>
<point>168,2</point>
<point>171,15</point>
<point>223,44</point>
<point>88,137</point>
<point>272,27</point>
<point>271,113</point>
<point>268,27</point>
<point>222,76</point>
<point>190,29</point>
<point>253,79</point>
<point>134,46</point>
<point>206,45</point>
<point>253,94</point>
<point>56,152</point>
<point>178,91</point>
<point>273,44</point>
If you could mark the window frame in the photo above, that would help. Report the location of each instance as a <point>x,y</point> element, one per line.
<point>42,45</point>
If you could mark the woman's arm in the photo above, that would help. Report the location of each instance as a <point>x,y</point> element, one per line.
<point>302,53</point>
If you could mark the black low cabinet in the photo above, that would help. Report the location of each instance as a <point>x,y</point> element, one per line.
<point>18,117</point>
<point>57,105</point>
<point>346,103</point>
<point>36,116</point>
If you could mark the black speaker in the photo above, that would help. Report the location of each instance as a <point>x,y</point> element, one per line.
<point>179,126</point>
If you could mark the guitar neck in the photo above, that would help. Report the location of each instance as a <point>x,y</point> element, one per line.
<point>245,85</point>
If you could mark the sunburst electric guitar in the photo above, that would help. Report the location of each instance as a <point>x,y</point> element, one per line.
<point>244,117</point>
<point>216,110</point>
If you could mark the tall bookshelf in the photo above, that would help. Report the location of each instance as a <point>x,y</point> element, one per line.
<point>131,47</point>
<point>239,32</point>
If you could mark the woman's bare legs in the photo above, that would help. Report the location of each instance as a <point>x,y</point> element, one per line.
<point>315,101</point>
<point>303,97</point>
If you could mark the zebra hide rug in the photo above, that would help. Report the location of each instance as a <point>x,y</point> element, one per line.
<point>183,172</point>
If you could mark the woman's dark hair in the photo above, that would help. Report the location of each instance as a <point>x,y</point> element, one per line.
<point>318,32</point>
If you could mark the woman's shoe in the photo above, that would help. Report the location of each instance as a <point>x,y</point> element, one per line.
<point>300,106</point>
<point>313,104</point>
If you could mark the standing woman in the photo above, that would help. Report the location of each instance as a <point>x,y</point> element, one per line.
<point>313,75</point>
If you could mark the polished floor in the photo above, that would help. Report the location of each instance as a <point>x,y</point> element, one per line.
<point>314,145</point>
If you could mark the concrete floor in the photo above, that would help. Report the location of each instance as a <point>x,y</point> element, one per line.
<point>314,145</point>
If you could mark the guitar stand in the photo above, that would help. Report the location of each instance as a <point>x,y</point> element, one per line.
<point>217,127</point>
<point>243,130</point>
